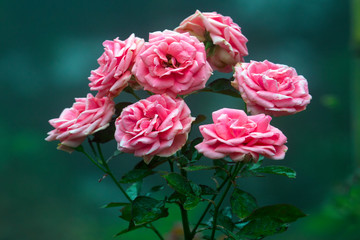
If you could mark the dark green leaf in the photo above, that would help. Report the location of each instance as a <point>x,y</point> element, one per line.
<point>120,106</point>
<point>242,203</point>
<point>206,190</point>
<point>200,118</point>
<point>223,86</point>
<point>191,202</point>
<point>106,134</point>
<point>279,170</point>
<point>220,167</point>
<point>225,221</point>
<point>115,204</point>
<point>136,175</point>
<point>262,227</point>
<point>126,213</point>
<point>147,209</point>
<point>129,229</point>
<point>198,167</point>
<point>284,212</point>
<point>180,184</point>
<point>134,190</point>
<point>196,189</point>
<point>176,197</point>
<point>157,188</point>
<point>156,161</point>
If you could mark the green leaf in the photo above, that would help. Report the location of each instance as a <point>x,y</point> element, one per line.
<point>225,221</point>
<point>198,167</point>
<point>126,213</point>
<point>206,190</point>
<point>106,134</point>
<point>190,151</point>
<point>191,202</point>
<point>242,203</point>
<point>181,184</point>
<point>147,209</point>
<point>200,118</point>
<point>120,106</point>
<point>223,86</point>
<point>156,161</point>
<point>283,212</point>
<point>136,175</point>
<point>279,170</point>
<point>134,190</point>
<point>157,188</point>
<point>262,227</point>
<point>220,168</point>
<point>115,204</point>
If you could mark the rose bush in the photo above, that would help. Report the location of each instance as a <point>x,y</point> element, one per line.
<point>269,88</point>
<point>158,125</point>
<point>86,116</point>
<point>235,134</point>
<point>172,63</point>
<point>226,41</point>
<point>116,63</point>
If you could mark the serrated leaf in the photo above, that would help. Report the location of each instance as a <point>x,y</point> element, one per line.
<point>198,168</point>
<point>262,227</point>
<point>181,184</point>
<point>284,212</point>
<point>134,190</point>
<point>206,190</point>
<point>147,209</point>
<point>156,161</point>
<point>278,170</point>
<point>115,204</point>
<point>136,175</point>
<point>242,203</point>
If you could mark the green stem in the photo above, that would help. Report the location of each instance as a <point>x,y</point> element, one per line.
<point>91,159</point>
<point>208,207</point>
<point>185,222</point>
<point>184,215</point>
<point>216,212</point>
<point>155,231</point>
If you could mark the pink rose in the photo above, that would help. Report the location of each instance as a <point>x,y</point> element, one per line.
<point>227,43</point>
<point>270,88</point>
<point>172,63</point>
<point>86,116</point>
<point>237,135</point>
<point>158,125</point>
<point>115,66</point>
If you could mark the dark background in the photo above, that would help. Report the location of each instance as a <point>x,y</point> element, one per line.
<point>47,49</point>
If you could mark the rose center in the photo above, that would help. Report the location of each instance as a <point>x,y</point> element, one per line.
<point>171,62</point>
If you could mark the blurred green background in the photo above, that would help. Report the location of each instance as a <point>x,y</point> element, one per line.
<point>47,49</point>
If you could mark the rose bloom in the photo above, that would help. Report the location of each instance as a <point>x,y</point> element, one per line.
<point>269,88</point>
<point>172,63</point>
<point>115,63</point>
<point>229,44</point>
<point>237,135</point>
<point>158,125</point>
<point>86,116</point>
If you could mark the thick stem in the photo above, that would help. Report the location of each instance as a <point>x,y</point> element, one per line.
<point>185,222</point>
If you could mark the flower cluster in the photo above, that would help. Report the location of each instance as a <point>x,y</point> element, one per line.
<point>172,64</point>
